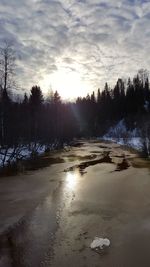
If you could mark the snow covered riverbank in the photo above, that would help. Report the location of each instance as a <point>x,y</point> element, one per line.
<point>134,142</point>
<point>120,135</point>
<point>11,155</point>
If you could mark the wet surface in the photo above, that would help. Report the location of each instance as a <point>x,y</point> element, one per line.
<point>50,217</point>
<point>31,164</point>
<point>123,165</point>
<point>83,165</point>
<point>30,240</point>
<point>140,163</point>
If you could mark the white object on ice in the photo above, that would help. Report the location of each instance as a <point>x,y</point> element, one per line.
<point>100,243</point>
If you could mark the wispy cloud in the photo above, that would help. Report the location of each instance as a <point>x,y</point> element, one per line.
<point>100,39</point>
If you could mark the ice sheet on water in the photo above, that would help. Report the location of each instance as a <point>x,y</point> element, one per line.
<point>99,242</point>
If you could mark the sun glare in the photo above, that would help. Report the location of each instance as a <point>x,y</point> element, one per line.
<point>71,180</point>
<point>69,84</point>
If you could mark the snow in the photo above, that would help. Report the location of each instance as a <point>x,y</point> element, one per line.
<point>118,131</point>
<point>133,142</point>
<point>11,155</point>
<point>120,135</point>
<point>99,242</point>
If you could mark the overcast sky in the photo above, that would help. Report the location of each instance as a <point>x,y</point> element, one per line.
<point>92,40</point>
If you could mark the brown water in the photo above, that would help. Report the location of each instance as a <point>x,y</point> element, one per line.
<point>49,217</point>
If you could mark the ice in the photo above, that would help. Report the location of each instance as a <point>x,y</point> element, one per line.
<point>99,242</point>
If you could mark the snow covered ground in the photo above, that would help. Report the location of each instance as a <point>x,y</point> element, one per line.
<point>120,135</point>
<point>133,142</point>
<point>11,155</point>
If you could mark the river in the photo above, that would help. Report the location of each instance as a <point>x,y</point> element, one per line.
<point>50,216</point>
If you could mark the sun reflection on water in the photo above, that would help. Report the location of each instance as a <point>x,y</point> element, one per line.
<point>71,179</point>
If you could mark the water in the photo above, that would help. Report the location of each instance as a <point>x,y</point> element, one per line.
<point>59,228</point>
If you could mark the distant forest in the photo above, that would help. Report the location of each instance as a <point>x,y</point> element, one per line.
<point>36,119</point>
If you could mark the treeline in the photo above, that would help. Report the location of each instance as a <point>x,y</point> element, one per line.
<point>50,120</point>
<point>37,120</point>
<point>127,100</point>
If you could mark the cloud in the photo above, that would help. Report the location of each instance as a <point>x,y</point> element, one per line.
<point>100,40</point>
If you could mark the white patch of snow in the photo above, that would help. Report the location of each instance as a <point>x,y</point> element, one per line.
<point>10,155</point>
<point>118,131</point>
<point>99,242</point>
<point>133,142</point>
<point>120,135</point>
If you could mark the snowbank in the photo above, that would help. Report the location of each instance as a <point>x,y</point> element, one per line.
<point>120,135</point>
<point>133,142</point>
<point>11,155</point>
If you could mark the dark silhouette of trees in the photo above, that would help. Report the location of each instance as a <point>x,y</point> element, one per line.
<point>7,72</point>
<point>7,66</point>
<point>36,120</point>
<point>55,121</point>
<point>35,107</point>
<point>125,101</point>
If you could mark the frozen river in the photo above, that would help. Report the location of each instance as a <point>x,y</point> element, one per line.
<point>49,217</point>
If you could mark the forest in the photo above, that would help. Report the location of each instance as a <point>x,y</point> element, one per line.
<point>38,119</point>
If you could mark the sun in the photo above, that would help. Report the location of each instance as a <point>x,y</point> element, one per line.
<point>68,83</point>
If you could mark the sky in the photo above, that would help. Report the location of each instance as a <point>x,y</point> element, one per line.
<point>75,46</point>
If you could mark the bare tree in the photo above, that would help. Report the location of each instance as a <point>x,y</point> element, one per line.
<point>7,65</point>
<point>143,75</point>
<point>7,81</point>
